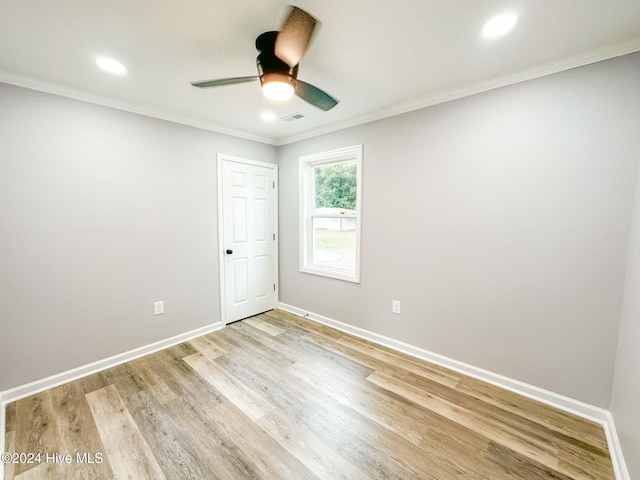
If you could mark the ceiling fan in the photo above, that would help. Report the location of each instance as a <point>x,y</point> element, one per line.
<point>277,62</point>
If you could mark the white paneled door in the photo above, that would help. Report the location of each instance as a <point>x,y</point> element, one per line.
<point>248,238</point>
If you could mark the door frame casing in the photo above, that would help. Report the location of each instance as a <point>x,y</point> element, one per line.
<point>221,256</point>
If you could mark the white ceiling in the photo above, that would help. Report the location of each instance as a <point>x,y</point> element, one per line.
<point>378,57</point>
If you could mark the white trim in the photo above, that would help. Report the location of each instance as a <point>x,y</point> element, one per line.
<point>446,95</point>
<point>615,449</point>
<point>352,153</point>
<point>221,272</point>
<point>63,91</point>
<point>247,161</point>
<point>26,390</point>
<point>561,402</point>
<point>221,157</point>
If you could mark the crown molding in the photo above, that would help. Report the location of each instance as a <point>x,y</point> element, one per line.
<point>567,63</point>
<point>56,89</point>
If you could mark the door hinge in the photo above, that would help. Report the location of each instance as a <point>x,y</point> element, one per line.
<point>274,287</point>
<point>274,184</point>
<point>274,236</point>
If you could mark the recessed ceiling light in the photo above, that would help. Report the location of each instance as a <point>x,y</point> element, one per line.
<point>111,66</point>
<point>499,25</point>
<point>268,116</point>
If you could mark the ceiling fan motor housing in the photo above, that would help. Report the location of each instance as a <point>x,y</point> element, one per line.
<point>269,77</point>
<point>270,67</point>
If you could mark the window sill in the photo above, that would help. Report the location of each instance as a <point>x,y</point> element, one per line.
<point>336,275</point>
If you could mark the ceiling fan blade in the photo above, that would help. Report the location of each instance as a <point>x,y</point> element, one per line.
<point>224,81</point>
<point>315,96</point>
<point>294,36</point>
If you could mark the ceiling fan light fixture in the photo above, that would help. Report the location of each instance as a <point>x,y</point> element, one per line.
<point>277,86</point>
<point>277,91</point>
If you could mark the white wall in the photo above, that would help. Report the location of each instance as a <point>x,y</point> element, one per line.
<point>625,402</point>
<point>501,221</point>
<point>102,212</point>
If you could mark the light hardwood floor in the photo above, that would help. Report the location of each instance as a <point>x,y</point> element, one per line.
<point>279,397</point>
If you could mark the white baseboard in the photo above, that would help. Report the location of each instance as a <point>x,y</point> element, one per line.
<point>570,405</point>
<point>32,388</point>
<point>615,449</point>
<point>11,395</point>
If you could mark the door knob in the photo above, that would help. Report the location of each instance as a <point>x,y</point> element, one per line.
<point>229,251</point>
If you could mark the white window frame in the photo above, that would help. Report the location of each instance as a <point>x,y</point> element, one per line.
<point>307,202</point>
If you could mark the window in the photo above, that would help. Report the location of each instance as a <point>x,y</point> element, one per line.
<point>330,205</point>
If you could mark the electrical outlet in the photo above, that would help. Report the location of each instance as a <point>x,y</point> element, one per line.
<point>395,307</point>
<point>158,308</point>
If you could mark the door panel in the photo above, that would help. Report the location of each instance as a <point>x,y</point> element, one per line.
<point>248,232</point>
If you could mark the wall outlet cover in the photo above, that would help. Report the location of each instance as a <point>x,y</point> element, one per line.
<point>395,307</point>
<point>158,308</point>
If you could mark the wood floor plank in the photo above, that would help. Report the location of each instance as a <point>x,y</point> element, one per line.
<point>265,326</point>
<point>240,338</point>
<point>281,397</point>
<point>126,448</point>
<point>181,453</point>
<point>297,349</point>
<point>307,325</point>
<point>382,454</point>
<point>177,450</point>
<point>276,320</point>
<point>10,417</point>
<point>273,460</point>
<point>575,427</point>
<point>379,408</point>
<point>155,381</point>
<point>207,347</point>
<point>309,449</point>
<point>79,433</point>
<point>59,422</point>
<point>427,370</point>
<point>42,471</point>
<point>167,376</point>
<point>251,404</point>
<point>213,447</point>
<point>531,448</point>
<point>560,444</point>
<point>518,464</point>
<point>35,426</point>
<point>246,357</point>
<point>10,447</point>
<point>93,382</point>
<point>362,443</point>
<point>275,384</point>
<point>585,461</point>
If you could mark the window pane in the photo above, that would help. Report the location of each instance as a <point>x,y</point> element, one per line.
<point>334,243</point>
<point>335,187</point>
